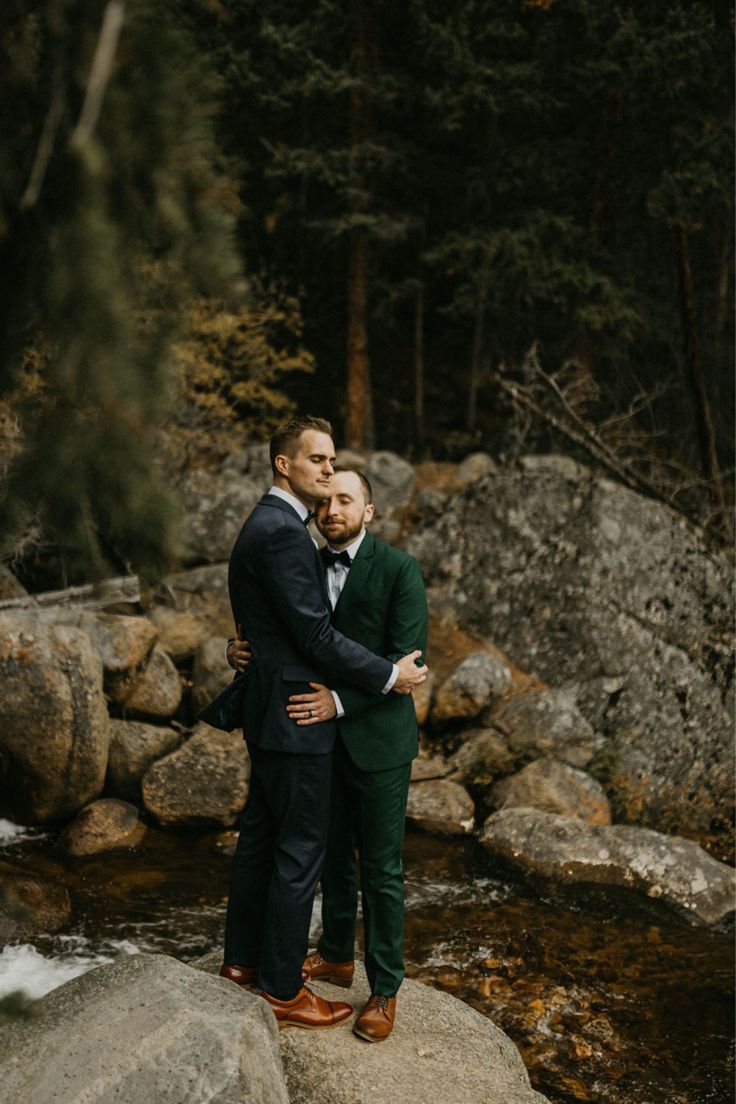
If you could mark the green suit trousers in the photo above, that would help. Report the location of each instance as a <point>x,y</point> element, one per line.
<point>368,813</point>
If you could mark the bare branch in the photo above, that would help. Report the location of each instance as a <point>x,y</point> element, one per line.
<point>99,77</point>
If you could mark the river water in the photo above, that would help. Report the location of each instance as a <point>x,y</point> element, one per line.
<point>607,1003</point>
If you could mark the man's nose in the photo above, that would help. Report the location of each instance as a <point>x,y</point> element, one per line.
<point>328,468</point>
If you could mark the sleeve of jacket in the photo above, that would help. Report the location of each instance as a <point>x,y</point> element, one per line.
<point>405,632</point>
<point>290,569</point>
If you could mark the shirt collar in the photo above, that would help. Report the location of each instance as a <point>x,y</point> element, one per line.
<point>293,501</point>
<point>352,549</point>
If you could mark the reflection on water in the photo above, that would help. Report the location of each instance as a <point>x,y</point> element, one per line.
<point>606,1005</point>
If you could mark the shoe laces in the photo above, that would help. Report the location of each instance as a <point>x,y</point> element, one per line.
<point>381,1001</point>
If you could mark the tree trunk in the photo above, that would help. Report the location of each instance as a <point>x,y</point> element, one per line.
<point>695,377</point>
<point>419,423</point>
<point>475,364</point>
<point>359,431</point>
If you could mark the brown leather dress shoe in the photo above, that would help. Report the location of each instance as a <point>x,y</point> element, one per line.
<point>241,975</point>
<point>376,1022</point>
<point>308,1010</point>
<point>336,973</point>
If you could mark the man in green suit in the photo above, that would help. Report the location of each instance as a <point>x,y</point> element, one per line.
<point>378,599</point>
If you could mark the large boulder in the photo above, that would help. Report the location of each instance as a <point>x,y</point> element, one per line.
<point>54,730</point>
<point>105,825</point>
<point>392,478</point>
<point>203,784</point>
<point>211,672</point>
<point>144,1030</point>
<point>215,505</point>
<point>672,870</point>
<point>30,905</point>
<point>476,682</point>
<point>200,596</point>
<point>154,691</point>
<point>180,631</point>
<point>441,806</point>
<point>588,584</point>
<point>122,643</point>
<point>546,722</point>
<point>440,1049</point>
<point>134,747</point>
<point>554,788</point>
<point>483,756</point>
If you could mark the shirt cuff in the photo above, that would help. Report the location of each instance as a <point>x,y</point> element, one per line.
<point>338,705</point>
<point>392,679</point>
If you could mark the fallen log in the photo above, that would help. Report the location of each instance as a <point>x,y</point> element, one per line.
<point>107,592</point>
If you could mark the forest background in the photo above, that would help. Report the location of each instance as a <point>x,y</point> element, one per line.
<point>449,226</point>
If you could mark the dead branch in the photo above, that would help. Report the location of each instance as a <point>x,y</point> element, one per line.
<point>108,592</point>
<point>100,73</point>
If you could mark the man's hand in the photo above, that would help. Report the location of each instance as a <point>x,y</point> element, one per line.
<point>409,674</point>
<point>238,653</point>
<point>309,709</point>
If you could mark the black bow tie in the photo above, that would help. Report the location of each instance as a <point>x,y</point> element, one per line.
<point>331,558</point>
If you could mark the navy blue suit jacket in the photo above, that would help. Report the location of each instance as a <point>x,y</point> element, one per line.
<point>278,594</point>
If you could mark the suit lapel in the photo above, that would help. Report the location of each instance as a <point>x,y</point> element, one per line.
<point>358,575</point>
<point>288,509</point>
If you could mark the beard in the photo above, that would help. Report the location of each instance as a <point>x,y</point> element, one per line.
<point>344,535</point>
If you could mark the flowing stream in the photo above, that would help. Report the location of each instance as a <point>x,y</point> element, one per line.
<point>607,1002</point>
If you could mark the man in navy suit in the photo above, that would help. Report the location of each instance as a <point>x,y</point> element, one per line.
<point>279,599</point>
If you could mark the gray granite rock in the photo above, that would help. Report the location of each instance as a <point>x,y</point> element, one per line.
<point>477,681</point>
<point>546,722</point>
<point>180,631</point>
<point>202,784</point>
<point>424,770</point>
<point>483,755</point>
<point>474,467</point>
<point>441,806</point>
<point>54,730</point>
<point>554,787</point>
<point>583,582</point>
<point>440,1050</point>
<point>105,825</point>
<point>154,691</point>
<point>134,747</point>
<point>215,506</point>
<point>144,1030</point>
<point>211,672</point>
<point>669,869</point>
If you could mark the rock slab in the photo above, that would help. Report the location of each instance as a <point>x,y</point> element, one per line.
<point>440,1050</point>
<point>144,1030</point>
<point>675,871</point>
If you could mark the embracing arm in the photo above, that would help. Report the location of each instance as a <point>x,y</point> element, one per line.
<point>406,630</point>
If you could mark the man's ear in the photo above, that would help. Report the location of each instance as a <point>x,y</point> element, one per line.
<point>369,512</point>
<point>281,463</point>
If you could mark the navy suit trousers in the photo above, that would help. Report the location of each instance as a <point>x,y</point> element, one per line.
<point>276,867</point>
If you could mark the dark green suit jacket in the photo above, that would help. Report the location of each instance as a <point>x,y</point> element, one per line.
<point>382,606</point>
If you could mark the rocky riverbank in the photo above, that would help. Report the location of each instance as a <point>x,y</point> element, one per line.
<point>149,1028</point>
<point>579,651</point>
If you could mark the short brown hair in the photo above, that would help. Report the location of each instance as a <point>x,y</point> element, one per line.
<point>286,436</point>
<point>367,489</point>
